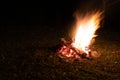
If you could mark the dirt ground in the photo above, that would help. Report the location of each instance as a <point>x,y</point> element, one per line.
<point>30,54</point>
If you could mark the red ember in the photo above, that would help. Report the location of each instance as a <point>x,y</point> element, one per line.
<point>68,51</point>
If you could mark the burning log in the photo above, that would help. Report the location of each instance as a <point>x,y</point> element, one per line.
<point>68,51</point>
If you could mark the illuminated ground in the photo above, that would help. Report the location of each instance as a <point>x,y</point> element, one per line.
<point>29,54</point>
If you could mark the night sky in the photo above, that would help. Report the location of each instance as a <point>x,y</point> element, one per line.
<point>53,13</point>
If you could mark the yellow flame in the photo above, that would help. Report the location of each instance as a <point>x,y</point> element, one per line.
<point>86,28</point>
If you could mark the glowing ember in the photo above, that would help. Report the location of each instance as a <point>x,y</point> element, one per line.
<point>86,27</point>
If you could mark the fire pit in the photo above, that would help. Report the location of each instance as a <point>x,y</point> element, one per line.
<point>79,46</point>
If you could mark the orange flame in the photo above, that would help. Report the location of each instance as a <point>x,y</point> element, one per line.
<point>86,27</point>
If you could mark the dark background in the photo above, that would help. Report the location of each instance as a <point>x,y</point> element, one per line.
<point>19,16</point>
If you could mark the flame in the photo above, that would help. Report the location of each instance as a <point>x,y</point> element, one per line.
<point>86,27</point>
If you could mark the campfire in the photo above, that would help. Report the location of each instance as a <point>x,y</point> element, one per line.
<point>80,45</point>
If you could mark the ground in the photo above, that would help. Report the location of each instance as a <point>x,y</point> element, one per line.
<point>30,54</point>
